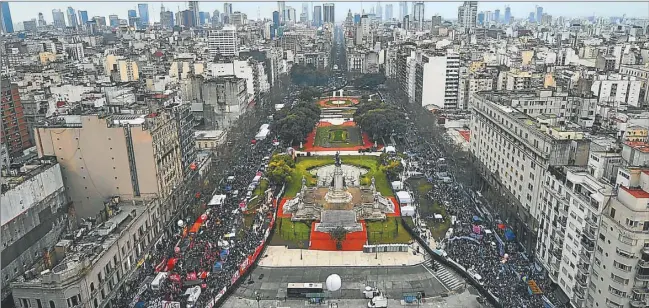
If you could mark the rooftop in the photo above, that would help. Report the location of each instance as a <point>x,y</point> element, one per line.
<point>638,146</point>
<point>20,173</point>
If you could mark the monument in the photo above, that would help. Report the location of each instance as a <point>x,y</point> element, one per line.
<point>338,200</point>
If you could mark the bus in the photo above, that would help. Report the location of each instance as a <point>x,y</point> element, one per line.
<point>300,290</point>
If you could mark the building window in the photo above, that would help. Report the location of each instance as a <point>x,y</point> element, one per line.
<point>52,305</point>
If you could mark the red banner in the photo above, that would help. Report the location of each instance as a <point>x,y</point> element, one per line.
<point>235,276</point>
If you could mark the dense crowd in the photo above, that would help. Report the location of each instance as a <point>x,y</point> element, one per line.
<point>479,242</point>
<point>206,249</point>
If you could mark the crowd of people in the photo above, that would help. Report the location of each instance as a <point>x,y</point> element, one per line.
<point>479,242</point>
<point>205,248</point>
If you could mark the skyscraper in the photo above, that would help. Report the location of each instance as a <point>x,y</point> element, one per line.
<point>539,14</point>
<point>530,18</point>
<point>281,8</point>
<point>113,21</point>
<point>497,16</point>
<point>418,14</point>
<point>467,16</point>
<point>193,6</point>
<point>133,13</point>
<point>224,42</point>
<point>83,18</point>
<point>275,20</point>
<point>72,18</point>
<point>227,9</point>
<point>187,19</point>
<point>508,14</point>
<point>481,18</point>
<point>329,13</point>
<point>7,22</point>
<point>15,133</point>
<point>41,20</point>
<point>305,10</point>
<point>389,12</point>
<point>58,19</point>
<point>317,16</point>
<point>166,18</point>
<point>143,9</point>
<point>403,9</point>
<point>379,11</point>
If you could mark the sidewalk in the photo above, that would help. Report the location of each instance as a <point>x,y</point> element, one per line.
<point>280,256</point>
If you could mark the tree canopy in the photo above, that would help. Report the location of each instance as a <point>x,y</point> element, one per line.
<point>308,94</point>
<point>280,168</point>
<point>308,75</point>
<point>379,120</point>
<point>369,81</point>
<point>295,124</point>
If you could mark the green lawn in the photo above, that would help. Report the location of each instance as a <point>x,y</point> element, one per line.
<point>304,164</point>
<point>338,136</point>
<point>390,231</point>
<point>291,233</point>
<point>429,207</point>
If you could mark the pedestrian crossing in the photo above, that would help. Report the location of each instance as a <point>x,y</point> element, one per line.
<point>449,278</point>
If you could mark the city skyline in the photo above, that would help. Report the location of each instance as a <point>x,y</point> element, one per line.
<point>22,11</point>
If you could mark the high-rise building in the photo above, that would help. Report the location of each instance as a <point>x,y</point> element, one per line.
<point>224,42</point>
<point>357,19</point>
<point>166,18</point>
<point>83,18</point>
<point>438,71</point>
<point>193,6</point>
<point>143,9</point>
<point>467,16</point>
<point>329,13</point>
<point>481,19</point>
<point>58,19</point>
<point>436,21</point>
<point>15,133</point>
<point>291,15</point>
<point>379,11</point>
<point>72,18</point>
<point>305,10</point>
<point>531,17</point>
<point>281,8</point>
<point>497,16</point>
<point>7,22</point>
<point>227,9</point>
<point>317,16</point>
<point>41,20</point>
<point>132,13</point>
<point>100,21</point>
<point>418,14</point>
<point>539,14</point>
<point>187,19</point>
<point>389,11</point>
<point>113,21</point>
<point>216,18</point>
<point>403,9</point>
<point>275,20</point>
<point>508,15</point>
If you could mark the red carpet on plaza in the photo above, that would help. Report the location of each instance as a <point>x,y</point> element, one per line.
<point>323,102</point>
<point>280,209</point>
<point>309,145</point>
<point>354,241</point>
<point>397,208</point>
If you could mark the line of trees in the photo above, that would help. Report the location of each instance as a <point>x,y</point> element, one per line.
<point>280,168</point>
<point>308,75</point>
<point>379,119</point>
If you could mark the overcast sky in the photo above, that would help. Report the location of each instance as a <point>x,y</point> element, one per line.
<point>21,11</point>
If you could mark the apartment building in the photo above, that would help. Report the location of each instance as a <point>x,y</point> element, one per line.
<point>640,72</point>
<point>34,213</point>
<point>223,42</point>
<point>439,71</point>
<point>514,81</point>
<point>617,89</point>
<point>15,134</point>
<point>129,155</point>
<point>225,100</point>
<point>91,269</point>
<point>572,202</point>
<point>514,150</point>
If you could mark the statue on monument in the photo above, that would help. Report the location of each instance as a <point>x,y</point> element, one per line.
<point>338,163</point>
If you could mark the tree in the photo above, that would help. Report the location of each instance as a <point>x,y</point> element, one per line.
<point>309,75</point>
<point>296,123</point>
<point>280,168</point>
<point>339,234</point>
<point>369,81</point>
<point>308,94</point>
<point>391,165</point>
<point>379,119</point>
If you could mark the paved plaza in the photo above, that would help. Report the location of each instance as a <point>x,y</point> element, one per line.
<point>280,256</point>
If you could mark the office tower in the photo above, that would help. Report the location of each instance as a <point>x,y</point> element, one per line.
<point>305,10</point>
<point>72,18</point>
<point>58,19</point>
<point>83,18</point>
<point>418,14</point>
<point>201,18</point>
<point>357,18</point>
<point>481,19</point>
<point>317,16</point>
<point>166,18</point>
<point>497,16</point>
<point>15,133</point>
<point>187,19</point>
<point>193,6</point>
<point>530,18</point>
<point>227,9</point>
<point>100,21</point>
<point>436,21</point>
<point>281,8</point>
<point>41,20</point>
<point>291,15</point>
<point>508,14</point>
<point>467,16</point>
<point>388,12</point>
<point>143,9</point>
<point>113,21</point>
<point>539,14</point>
<point>403,9</point>
<point>329,13</point>
<point>7,22</point>
<point>275,20</point>
<point>224,42</point>
<point>379,11</point>
<point>133,13</point>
